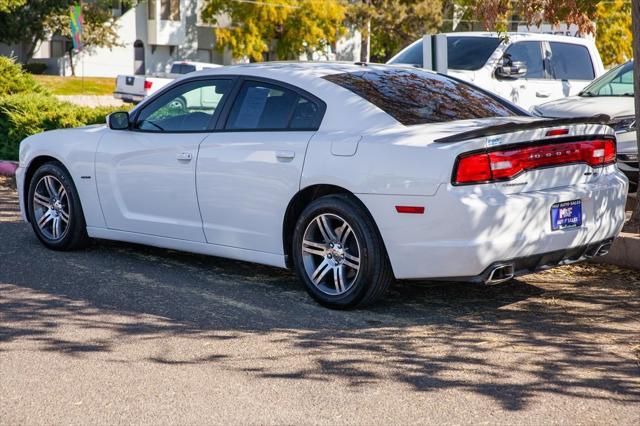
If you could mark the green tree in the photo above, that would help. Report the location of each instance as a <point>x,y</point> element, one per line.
<point>98,27</point>
<point>393,24</point>
<point>9,5</point>
<point>613,32</point>
<point>275,29</point>
<point>30,23</point>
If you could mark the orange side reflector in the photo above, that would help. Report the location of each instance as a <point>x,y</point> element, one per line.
<point>410,209</point>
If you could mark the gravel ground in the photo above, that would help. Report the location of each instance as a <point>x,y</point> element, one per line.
<point>120,333</point>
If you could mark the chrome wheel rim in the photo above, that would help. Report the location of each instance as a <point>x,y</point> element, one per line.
<point>331,254</point>
<point>51,208</point>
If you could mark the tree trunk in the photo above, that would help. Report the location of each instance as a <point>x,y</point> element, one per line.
<point>73,68</point>
<point>365,45</point>
<point>636,84</point>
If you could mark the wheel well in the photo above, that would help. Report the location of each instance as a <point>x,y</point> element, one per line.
<point>33,166</point>
<point>299,202</point>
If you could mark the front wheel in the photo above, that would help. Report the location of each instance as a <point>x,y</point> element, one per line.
<point>54,209</point>
<point>339,254</point>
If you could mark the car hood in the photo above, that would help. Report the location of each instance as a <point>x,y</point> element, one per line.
<point>580,106</point>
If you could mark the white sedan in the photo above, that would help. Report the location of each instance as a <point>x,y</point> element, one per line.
<point>352,175</point>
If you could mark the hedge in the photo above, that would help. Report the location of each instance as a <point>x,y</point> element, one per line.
<point>23,115</point>
<point>14,80</point>
<point>27,108</point>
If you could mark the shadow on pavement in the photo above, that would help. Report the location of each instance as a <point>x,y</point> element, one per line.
<point>566,334</point>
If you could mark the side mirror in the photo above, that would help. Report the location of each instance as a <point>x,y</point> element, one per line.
<point>118,120</point>
<point>511,70</point>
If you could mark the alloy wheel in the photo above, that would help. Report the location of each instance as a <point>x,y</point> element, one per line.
<point>331,254</point>
<point>51,208</point>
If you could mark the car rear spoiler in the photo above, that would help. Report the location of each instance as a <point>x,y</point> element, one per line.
<point>500,129</point>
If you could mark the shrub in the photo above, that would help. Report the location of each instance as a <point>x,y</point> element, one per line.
<point>22,115</point>
<point>27,108</point>
<point>14,80</point>
<point>35,67</point>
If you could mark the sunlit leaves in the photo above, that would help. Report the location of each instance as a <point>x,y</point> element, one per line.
<point>394,23</point>
<point>275,29</point>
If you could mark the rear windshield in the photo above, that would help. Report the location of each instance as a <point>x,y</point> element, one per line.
<point>419,97</point>
<point>182,68</point>
<point>464,53</point>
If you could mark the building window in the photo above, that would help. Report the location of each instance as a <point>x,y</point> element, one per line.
<point>170,10</point>
<point>204,55</point>
<point>57,48</point>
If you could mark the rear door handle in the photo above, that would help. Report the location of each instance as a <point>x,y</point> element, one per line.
<point>542,94</point>
<point>184,156</point>
<point>285,155</point>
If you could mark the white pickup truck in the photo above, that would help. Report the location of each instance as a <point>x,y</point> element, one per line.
<point>526,68</point>
<point>134,88</point>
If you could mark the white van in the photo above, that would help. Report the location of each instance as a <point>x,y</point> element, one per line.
<point>526,68</point>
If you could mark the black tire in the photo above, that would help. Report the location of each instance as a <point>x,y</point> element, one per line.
<point>374,275</point>
<point>75,231</point>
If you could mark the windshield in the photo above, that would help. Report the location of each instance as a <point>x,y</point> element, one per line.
<point>464,53</point>
<point>617,82</point>
<point>419,97</point>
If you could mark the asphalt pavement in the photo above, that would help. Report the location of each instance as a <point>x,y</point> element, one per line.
<point>126,334</point>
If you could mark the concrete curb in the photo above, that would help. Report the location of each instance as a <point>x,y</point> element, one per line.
<point>8,168</point>
<point>625,252</point>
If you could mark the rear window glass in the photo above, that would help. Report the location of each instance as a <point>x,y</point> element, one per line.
<point>570,62</point>
<point>418,97</point>
<point>182,68</point>
<point>463,53</point>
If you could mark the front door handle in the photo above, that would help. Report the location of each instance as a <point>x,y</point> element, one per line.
<point>285,155</point>
<point>542,94</point>
<point>184,156</point>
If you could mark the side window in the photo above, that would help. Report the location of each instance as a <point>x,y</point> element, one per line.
<point>269,107</point>
<point>189,107</point>
<point>306,115</point>
<point>530,53</point>
<point>569,62</point>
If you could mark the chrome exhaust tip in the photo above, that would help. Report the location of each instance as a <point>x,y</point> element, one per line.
<point>603,249</point>
<point>500,274</point>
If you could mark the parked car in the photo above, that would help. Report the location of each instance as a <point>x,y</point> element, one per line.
<point>526,68</point>
<point>134,88</point>
<point>350,174</point>
<point>611,94</point>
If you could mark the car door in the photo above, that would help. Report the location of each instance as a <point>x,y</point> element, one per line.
<point>146,175</point>
<point>568,67</point>
<point>249,170</point>
<point>534,87</point>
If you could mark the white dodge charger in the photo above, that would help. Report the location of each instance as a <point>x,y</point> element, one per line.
<point>351,174</point>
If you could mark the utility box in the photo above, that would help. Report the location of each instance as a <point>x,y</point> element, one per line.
<point>434,53</point>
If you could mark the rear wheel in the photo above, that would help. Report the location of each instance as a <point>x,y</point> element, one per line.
<point>339,254</point>
<point>54,209</point>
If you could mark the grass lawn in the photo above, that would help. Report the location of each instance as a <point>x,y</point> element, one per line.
<point>75,85</point>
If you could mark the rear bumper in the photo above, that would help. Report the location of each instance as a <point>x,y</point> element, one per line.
<point>128,97</point>
<point>465,231</point>
<point>542,261</point>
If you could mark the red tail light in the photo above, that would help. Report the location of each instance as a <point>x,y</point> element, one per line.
<point>148,84</point>
<point>505,164</point>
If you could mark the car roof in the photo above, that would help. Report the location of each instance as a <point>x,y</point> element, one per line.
<point>294,71</point>
<point>523,35</point>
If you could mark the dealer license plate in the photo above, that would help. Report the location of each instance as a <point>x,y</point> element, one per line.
<point>566,215</point>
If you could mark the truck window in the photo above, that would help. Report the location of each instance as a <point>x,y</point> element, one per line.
<point>569,62</point>
<point>464,53</point>
<point>530,53</point>
<point>182,68</point>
